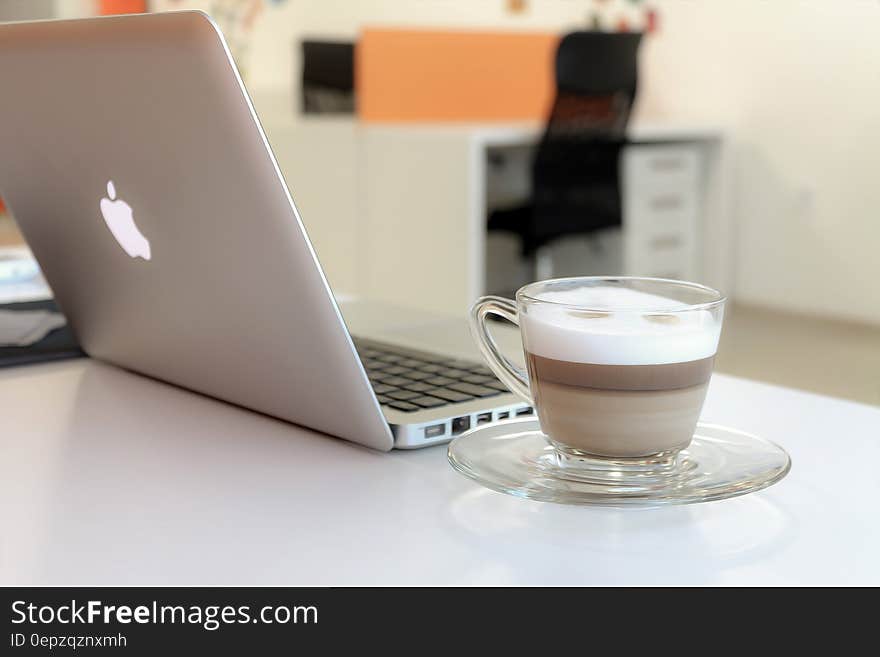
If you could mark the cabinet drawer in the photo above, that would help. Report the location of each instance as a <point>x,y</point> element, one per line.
<point>672,260</point>
<point>660,212</point>
<point>648,167</point>
<point>661,244</point>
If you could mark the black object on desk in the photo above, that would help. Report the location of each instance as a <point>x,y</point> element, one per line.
<point>328,77</point>
<point>575,172</point>
<point>57,345</point>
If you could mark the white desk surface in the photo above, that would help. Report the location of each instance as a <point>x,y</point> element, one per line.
<point>505,134</point>
<point>110,478</point>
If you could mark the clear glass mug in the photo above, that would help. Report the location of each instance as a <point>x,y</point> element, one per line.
<point>618,367</point>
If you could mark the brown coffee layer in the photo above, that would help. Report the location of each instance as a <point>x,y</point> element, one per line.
<point>618,423</point>
<point>666,376</point>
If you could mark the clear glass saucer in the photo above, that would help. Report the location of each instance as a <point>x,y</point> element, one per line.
<point>514,457</point>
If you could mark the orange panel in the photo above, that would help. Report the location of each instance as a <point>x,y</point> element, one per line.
<point>421,75</point>
<point>109,7</point>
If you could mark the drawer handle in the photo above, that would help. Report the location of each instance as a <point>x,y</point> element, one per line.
<point>666,242</point>
<point>666,203</point>
<point>667,164</point>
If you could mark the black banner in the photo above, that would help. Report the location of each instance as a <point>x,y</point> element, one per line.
<point>149,619</point>
<point>255,620</point>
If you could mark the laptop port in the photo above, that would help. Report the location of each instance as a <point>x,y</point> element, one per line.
<point>482,418</point>
<point>435,430</point>
<point>461,424</point>
<point>503,415</point>
<point>525,411</point>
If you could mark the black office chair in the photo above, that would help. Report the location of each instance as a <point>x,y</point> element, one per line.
<point>575,171</point>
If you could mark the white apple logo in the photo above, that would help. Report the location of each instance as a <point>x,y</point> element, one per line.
<point>119,219</point>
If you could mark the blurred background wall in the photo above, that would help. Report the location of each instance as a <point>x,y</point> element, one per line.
<point>794,82</point>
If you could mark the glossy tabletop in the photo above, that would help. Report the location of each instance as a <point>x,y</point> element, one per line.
<point>107,477</point>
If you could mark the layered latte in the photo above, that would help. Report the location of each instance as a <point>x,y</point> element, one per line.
<point>626,378</point>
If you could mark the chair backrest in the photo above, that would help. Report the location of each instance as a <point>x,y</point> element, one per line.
<point>596,75</point>
<point>576,168</point>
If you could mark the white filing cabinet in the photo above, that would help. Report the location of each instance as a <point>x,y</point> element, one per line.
<point>662,207</point>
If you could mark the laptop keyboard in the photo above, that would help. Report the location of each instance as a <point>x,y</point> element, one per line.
<point>408,380</point>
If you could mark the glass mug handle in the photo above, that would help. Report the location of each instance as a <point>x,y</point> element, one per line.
<point>512,376</point>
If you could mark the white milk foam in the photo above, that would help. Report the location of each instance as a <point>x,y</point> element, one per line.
<point>620,337</point>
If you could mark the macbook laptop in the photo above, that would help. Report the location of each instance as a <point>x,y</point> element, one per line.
<point>135,165</point>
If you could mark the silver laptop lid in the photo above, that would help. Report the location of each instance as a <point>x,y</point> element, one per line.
<point>136,168</point>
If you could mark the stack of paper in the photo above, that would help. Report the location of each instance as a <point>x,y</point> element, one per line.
<point>20,276</point>
<point>21,328</point>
